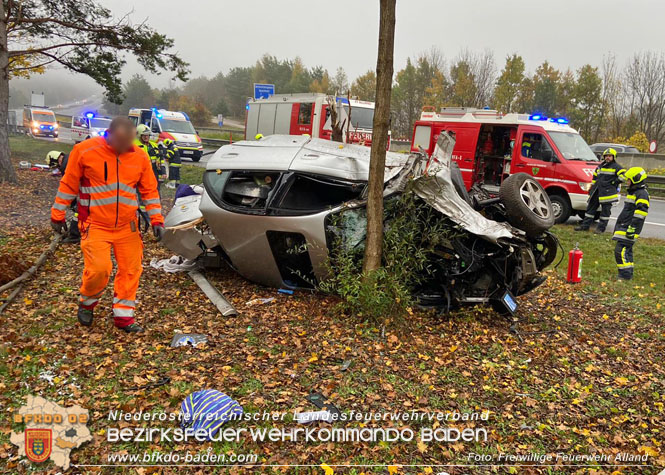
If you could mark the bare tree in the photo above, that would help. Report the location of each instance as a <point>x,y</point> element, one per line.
<point>482,69</point>
<point>644,80</point>
<point>384,80</point>
<point>614,110</point>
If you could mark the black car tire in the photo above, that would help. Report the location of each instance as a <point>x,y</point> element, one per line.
<point>565,209</point>
<point>196,158</point>
<point>527,205</point>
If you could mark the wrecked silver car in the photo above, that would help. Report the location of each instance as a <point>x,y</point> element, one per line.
<point>276,205</point>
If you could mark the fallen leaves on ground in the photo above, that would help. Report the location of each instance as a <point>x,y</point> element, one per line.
<point>580,376</point>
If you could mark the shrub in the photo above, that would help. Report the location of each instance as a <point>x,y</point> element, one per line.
<point>412,231</point>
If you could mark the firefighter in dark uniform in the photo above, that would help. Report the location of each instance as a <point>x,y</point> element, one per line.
<point>604,191</point>
<point>154,153</point>
<point>630,221</point>
<point>172,155</point>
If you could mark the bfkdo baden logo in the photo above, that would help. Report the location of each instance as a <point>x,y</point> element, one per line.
<point>38,444</point>
<point>51,431</point>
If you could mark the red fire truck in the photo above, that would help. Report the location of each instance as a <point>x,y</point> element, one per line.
<point>308,114</point>
<point>491,145</point>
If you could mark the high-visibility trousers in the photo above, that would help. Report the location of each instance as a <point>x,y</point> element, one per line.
<point>127,245</point>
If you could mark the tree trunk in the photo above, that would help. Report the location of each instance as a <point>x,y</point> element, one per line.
<point>7,172</point>
<point>384,81</point>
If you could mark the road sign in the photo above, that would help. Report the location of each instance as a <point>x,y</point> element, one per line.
<point>263,91</point>
<point>653,147</point>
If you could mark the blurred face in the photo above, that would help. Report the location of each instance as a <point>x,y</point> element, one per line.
<point>145,138</point>
<point>121,139</point>
<point>608,157</point>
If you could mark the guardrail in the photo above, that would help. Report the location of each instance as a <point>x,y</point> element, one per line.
<point>214,142</point>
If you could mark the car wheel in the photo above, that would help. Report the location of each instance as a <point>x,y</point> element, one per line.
<point>196,158</point>
<point>561,208</point>
<point>527,205</point>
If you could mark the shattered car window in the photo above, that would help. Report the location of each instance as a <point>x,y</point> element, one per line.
<point>307,193</point>
<point>249,190</point>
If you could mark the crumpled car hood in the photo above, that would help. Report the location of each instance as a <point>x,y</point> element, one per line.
<point>437,189</point>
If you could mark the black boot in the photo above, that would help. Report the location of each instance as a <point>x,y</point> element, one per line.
<point>582,227</point>
<point>85,317</point>
<point>133,328</point>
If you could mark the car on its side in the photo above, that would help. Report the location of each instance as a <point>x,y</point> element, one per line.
<point>276,205</point>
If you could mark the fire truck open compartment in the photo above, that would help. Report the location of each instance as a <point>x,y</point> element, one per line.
<point>493,154</point>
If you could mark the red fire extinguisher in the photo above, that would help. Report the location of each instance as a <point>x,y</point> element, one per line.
<point>575,265</point>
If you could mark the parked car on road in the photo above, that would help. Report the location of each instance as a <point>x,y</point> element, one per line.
<point>599,148</point>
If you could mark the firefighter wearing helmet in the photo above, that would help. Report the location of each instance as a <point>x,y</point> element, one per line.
<point>604,191</point>
<point>148,146</point>
<point>54,159</point>
<point>172,154</point>
<point>631,220</point>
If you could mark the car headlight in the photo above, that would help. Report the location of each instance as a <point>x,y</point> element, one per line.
<point>585,185</point>
<point>55,126</point>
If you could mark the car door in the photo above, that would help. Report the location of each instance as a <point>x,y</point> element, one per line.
<point>538,158</point>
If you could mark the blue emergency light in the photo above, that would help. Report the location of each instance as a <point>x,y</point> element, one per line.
<point>537,117</point>
<point>89,115</point>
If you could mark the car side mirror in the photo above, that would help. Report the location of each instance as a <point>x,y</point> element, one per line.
<point>547,156</point>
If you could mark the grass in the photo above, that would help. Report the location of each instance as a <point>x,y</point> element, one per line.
<point>599,273</point>
<point>34,150</point>
<point>239,135</point>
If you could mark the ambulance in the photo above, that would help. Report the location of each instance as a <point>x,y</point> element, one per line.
<point>308,114</point>
<point>491,145</point>
<point>40,121</point>
<point>171,125</point>
<point>89,125</point>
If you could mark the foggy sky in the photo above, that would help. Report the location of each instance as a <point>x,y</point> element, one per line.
<point>217,35</point>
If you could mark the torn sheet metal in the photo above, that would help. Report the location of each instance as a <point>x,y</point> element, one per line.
<point>437,189</point>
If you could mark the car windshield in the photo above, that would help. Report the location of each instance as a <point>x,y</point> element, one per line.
<point>361,117</point>
<point>48,117</point>
<point>177,126</point>
<point>573,146</point>
<point>100,123</point>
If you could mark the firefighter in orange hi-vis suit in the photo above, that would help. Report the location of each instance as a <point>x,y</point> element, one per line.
<point>104,174</point>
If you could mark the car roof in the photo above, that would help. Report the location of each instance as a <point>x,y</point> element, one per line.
<point>303,154</point>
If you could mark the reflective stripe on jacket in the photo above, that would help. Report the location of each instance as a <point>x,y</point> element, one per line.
<point>154,154</point>
<point>606,180</point>
<point>106,185</point>
<point>634,212</point>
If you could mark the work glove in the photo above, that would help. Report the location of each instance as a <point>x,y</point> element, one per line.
<point>158,231</point>
<point>60,227</point>
<point>630,232</point>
